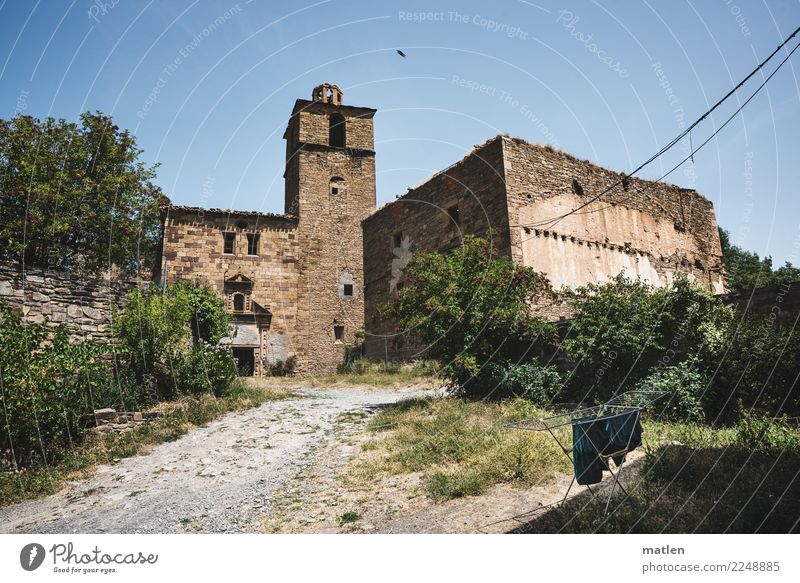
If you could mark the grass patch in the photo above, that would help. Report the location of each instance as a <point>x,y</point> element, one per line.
<point>349,518</point>
<point>99,448</point>
<point>461,447</point>
<point>741,479</point>
<point>693,478</point>
<point>364,372</point>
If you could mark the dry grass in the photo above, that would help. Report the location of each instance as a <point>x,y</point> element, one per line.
<point>461,447</point>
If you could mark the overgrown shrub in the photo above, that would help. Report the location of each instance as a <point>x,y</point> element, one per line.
<point>160,329</point>
<point>471,308</point>
<point>539,384</point>
<point>153,329</point>
<point>763,433</point>
<point>209,321</point>
<point>46,388</point>
<point>206,369</point>
<point>757,362</point>
<point>621,329</point>
<point>684,385</point>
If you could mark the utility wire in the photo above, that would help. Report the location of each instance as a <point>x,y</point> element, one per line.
<point>727,121</point>
<point>681,135</point>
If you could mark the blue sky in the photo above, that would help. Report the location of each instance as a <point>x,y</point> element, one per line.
<point>207,87</point>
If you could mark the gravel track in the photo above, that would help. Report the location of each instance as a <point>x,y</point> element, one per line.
<point>218,478</point>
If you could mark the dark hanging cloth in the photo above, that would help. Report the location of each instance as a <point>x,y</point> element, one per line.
<point>624,434</point>
<point>588,438</point>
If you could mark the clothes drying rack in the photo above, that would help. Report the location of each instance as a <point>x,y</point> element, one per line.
<point>626,407</point>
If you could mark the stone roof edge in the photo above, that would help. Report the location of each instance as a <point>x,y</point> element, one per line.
<point>230,212</point>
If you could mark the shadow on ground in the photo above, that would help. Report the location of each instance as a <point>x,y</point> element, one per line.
<point>680,489</point>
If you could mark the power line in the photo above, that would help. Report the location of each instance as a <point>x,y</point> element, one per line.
<point>682,134</point>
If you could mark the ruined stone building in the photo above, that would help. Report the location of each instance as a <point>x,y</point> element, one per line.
<point>309,281</point>
<point>293,282</point>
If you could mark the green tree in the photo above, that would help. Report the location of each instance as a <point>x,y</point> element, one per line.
<point>76,196</point>
<point>746,270</point>
<point>209,322</point>
<point>153,329</point>
<point>472,310</point>
<point>166,334</point>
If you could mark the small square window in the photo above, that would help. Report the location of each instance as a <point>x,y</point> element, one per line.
<point>398,239</point>
<point>334,190</point>
<point>348,290</point>
<point>252,243</point>
<point>229,240</point>
<point>455,215</point>
<point>338,332</point>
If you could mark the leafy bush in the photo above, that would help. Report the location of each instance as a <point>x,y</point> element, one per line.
<point>283,368</point>
<point>532,381</point>
<point>153,329</point>
<point>756,362</point>
<point>685,384</point>
<point>158,329</point>
<point>209,321</point>
<point>763,433</point>
<point>206,369</point>
<point>471,308</point>
<point>122,392</point>
<point>46,388</point>
<point>623,328</point>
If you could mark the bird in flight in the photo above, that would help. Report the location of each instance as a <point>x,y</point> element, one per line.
<point>401,53</point>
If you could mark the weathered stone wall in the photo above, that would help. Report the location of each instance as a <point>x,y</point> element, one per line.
<point>780,303</point>
<point>194,249</point>
<point>646,229</point>
<point>523,191</point>
<point>422,219</point>
<point>84,305</point>
<point>329,228</point>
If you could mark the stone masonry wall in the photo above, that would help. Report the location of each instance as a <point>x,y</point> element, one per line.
<point>83,305</point>
<point>422,220</point>
<point>193,249</point>
<point>642,228</point>
<point>646,229</point>
<point>329,230</point>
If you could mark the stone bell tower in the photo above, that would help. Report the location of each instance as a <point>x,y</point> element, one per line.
<point>330,187</point>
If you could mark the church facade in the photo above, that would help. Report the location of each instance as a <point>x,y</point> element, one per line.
<point>308,283</point>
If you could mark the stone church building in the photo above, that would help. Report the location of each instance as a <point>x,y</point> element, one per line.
<point>307,283</point>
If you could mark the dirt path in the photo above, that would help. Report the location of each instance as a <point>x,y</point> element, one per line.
<point>225,477</point>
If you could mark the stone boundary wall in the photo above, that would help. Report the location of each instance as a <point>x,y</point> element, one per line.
<point>82,304</point>
<point>778,302</point>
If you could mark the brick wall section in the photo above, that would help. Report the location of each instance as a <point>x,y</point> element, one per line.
<point>193,249</point>
<point>83,304</point>
<point>648,229</point>
<point>475,185</point>
<point>329,227</point>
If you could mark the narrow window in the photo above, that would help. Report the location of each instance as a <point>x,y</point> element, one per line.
<point>454,214</point>
<point>337,185</point>
<point>336,130</point>
<point>338,332</point>
<point>577,188</point>
<point>229,241</point>
<point>252,243</point>
<point>348,290</point>
<point>238,302</point>
<point>398,239</point>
